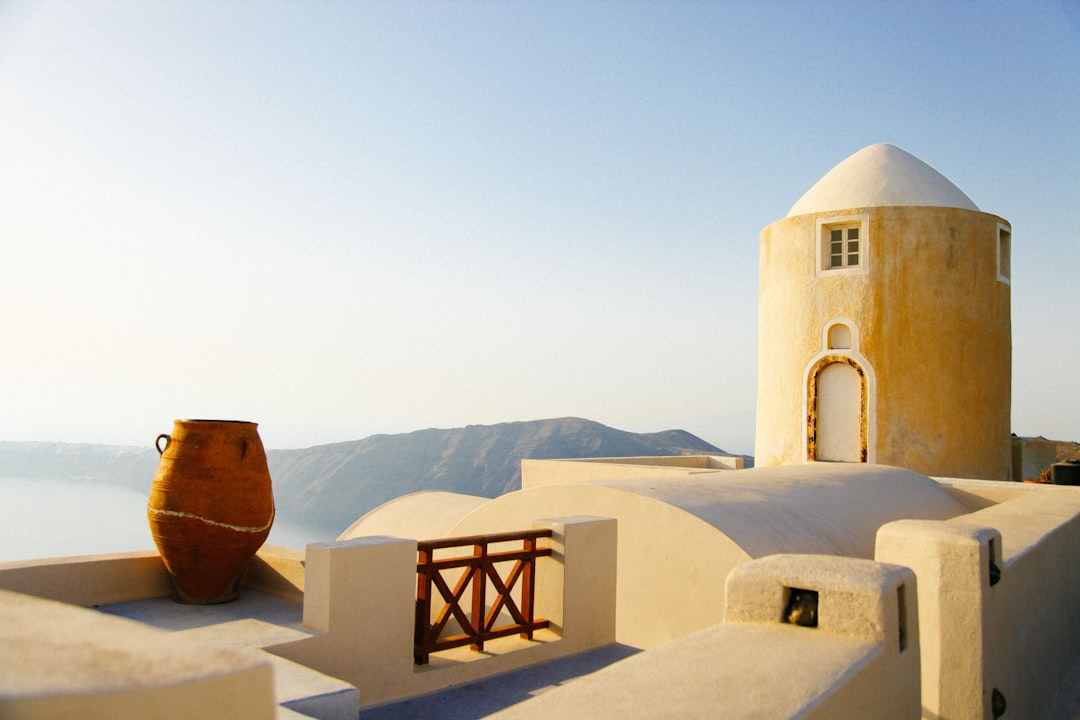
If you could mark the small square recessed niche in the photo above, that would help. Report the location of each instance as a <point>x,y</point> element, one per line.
<point>802,607</point>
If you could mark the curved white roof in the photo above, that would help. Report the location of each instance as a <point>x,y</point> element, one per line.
<point>420,515</point>
<point>881,176</point>
<point>827,508</point>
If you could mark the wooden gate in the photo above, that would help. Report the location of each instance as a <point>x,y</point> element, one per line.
<point>477,570</point>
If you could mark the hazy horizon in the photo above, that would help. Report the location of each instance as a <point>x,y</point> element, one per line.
<point>150,443</point>
<point>43,518</point>
<point>347,219</point>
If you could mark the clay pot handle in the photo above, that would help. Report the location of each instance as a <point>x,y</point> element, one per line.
<point>157,443</point>
<point>243,453</point>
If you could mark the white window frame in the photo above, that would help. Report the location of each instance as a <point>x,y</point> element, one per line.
<point>824,229</point>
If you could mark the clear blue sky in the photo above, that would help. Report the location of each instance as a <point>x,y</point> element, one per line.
<point>346,218</point>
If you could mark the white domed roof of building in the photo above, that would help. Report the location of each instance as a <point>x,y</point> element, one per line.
<point>881,176</point>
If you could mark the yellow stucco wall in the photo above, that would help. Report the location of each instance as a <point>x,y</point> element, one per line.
<point>932,322</point>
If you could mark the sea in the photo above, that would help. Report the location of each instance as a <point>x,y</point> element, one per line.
<point>62,518</point>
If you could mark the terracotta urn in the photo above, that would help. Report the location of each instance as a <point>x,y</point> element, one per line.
<point>211,506</point>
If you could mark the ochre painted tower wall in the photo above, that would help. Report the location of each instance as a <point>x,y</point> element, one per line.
<point>932,333</point>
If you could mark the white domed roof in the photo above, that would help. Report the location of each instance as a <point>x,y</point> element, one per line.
<point>881,176</point>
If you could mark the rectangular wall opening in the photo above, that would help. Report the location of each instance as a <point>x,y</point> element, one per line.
<point>901,604</point>
<point>801,608</point>
<point>1004,254</point>
<point>993,550</point>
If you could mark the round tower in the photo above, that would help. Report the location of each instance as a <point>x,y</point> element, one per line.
<point>884,330</point>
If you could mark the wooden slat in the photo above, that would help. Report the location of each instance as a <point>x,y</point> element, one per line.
<point>479,569</point>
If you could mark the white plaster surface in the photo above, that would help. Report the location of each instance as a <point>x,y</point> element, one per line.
<point>881,176</point>
<point>254,621</point>
<point>665,555</point>
<point>1065,704</point>
<point>101,652</point>
<point>58,660</point>
<point>504,692</point>
<point>850,665</point>
<point>725,671</point>
<point>424,515</point>
<point>680,536</point>
<point>857,598</point>
<point>828,508</point>
<point>1020,634</point>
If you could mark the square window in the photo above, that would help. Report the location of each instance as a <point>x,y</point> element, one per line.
<point>842,243</point>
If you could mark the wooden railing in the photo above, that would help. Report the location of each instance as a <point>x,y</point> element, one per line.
<point>477,570</point>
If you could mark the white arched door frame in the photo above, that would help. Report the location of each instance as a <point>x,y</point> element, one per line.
<point>851,356</point>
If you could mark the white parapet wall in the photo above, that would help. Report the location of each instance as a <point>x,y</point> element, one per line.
<point>952,563</point>
<point>998,596</point>
<point>360,598</point>
<point>91,579</point>
<point>857,600</point>
<point>62,661</point>
<point>861,660</point>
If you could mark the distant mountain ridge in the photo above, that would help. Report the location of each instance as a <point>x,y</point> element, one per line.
<point>330,486</point>
<point>117,464</point>
<point>339,483</point>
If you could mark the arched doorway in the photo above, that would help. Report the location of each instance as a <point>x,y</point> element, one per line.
<point>836,428</point>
